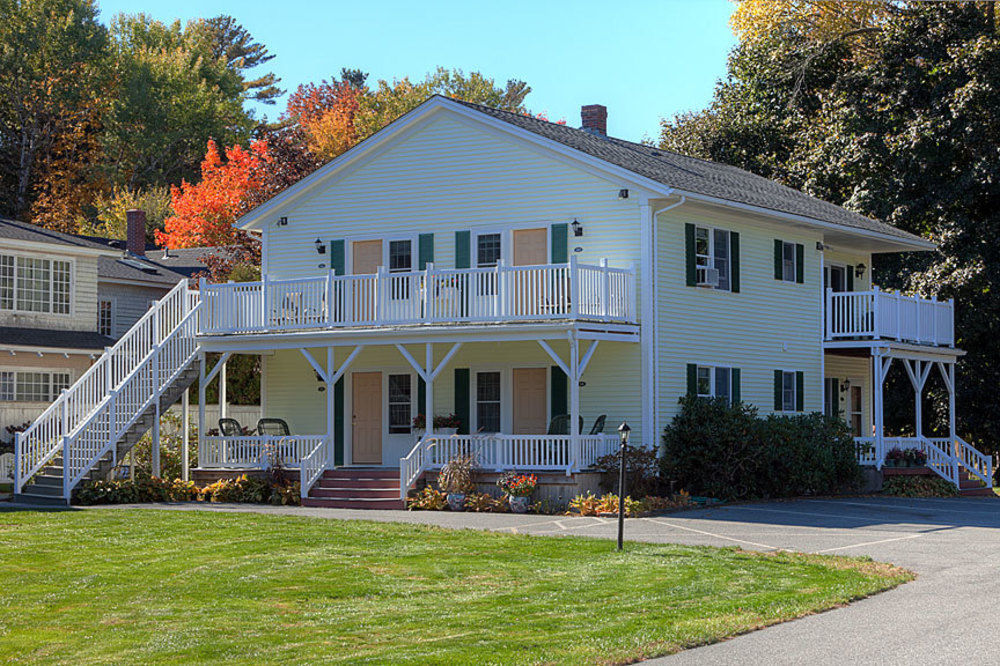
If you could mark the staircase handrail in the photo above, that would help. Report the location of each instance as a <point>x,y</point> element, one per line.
<point>40,442</point>
<point>943,463</point>
<point>73,473</point>
<point>311,467</point>
<point>411,466</point>
<point>979,464</point>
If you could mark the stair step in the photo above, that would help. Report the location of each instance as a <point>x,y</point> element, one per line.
<point>981,491</point>
<point>44,490</point>
<point>44,481</point>
<point>344,503</point>
<point>32,498</point>
<point>355,493</point>
<point>330,482</point>
<point>361,473</point>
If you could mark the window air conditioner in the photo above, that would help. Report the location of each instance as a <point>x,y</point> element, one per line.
<point>707,277</point>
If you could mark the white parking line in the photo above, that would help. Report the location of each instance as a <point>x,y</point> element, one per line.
<point>869,543</point>
<point>711,534</point>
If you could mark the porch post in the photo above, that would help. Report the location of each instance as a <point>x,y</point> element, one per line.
<point>185,435</point>
<point>574,402</point>
<point>201,409</point>
<point>429,390</point>
<point>223,397</point>
<point>155,462</point>
<point>331,370</point>
<point>952,429</point>
<point>877,378</point>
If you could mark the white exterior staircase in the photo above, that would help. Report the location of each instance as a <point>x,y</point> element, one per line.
<point>93,423</point>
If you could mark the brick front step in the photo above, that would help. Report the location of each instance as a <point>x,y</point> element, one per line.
<point>355,493</point>
<point>345,503</point>
<point>339,482</point>
<point>981,491</point>
<point>361,473</point>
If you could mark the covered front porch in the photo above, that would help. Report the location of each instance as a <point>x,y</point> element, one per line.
<point>528,397</point>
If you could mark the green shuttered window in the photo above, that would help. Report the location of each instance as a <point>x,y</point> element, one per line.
<point>789,391</point>
<point>559,392</point>
<point>462,399</point>
<point>560,243</point>
<point>463,249</point>
<point>338,263</point>
<point>789,262</point>
<point>709,381</point>
<point>425,248</point>
<point>712,258</point>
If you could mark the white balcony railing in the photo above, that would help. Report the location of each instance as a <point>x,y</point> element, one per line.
<point>889,315</point>
<point>499,293</point>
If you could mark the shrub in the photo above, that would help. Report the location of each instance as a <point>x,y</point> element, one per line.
<point>486,503</point>
<point>148,489</point>
<point>728,451</point>
<point>642,469</point>
<point>918,486</point>
<point>458,475</point>
<point>242,490</point>
<point>428,499</point>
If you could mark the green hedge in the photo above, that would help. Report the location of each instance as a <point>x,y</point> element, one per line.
<point>728,451</point>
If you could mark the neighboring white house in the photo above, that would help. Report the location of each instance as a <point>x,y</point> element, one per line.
<point>512,271</point>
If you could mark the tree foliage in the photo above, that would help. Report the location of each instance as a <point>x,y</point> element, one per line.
<point>902,127</point>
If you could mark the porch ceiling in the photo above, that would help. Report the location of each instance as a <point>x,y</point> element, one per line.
<point>383,335</point>
<point>869,348</point>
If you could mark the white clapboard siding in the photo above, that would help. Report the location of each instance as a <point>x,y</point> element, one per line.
<point>130,302</point>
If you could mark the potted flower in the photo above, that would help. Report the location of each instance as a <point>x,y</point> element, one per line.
<point>919,457</point>
<point>457,480</point>
<point>895,457</point>
<point>518,488</point>
<point>419,425</point>
<point>447,424</point>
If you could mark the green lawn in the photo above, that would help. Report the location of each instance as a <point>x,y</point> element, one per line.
<point>177,587</point>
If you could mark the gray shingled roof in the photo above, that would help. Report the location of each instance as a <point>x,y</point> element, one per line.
<point>137,269</point>
<point>44,337</point>
<point>697,176</point>
<point>29,232</point>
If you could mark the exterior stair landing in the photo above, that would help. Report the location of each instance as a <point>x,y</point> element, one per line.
<point>356,488</point>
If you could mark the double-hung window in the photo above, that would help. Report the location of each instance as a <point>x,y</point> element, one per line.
<point>713,265</point>
<point>488,248</point>
<point>400,261</point>
<point>789,260</point>
<point>32,386</point>
<point>34,284</point>
<point>788,391</point>
<point>400,401</point>
<point>105,317</point>
<point>488,401</point>
<point>715,382</point>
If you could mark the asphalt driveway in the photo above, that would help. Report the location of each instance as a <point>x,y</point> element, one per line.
<point>950,614</point>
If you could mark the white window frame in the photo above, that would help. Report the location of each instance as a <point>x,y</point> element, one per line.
<point>785,374</point>
<point>828,275</point>
<point>850,412</point>
<point>831,395</point>
<point>786,274</point>
<point>709,260</point>
<point>112,313</point>
<point>503,403</point>
<point>713,378</point>
<point>52,259</point>
<point>388,402</point>
<point>51,375</point>
<point>502,234</point>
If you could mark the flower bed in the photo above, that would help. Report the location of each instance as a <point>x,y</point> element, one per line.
<point>607,504</point>
<point>242,490</point>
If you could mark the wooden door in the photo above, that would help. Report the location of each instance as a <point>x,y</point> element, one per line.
<point>366,258</point>
<point>366,403</point>
<point>530,399</point>
<point>531,247</point>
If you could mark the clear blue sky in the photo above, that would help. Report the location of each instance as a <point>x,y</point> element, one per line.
<point>643,60</point>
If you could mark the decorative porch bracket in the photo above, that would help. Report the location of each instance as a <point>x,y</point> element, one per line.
<point>574,372</point>
<point>428,373</point>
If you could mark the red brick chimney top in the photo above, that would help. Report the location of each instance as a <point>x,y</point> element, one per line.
<point>135,237</point>
<point>595,118</point>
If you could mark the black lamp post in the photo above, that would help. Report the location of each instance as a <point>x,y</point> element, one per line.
<point>623,431</point>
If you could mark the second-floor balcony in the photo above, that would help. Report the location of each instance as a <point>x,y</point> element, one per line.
<point>493,294</point>
<point>887,315</point>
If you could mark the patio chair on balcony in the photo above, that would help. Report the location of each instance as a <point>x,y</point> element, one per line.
<point>273,427</point>
<point>559,425</point>
<point>230,428</point>
<point>598,426</point>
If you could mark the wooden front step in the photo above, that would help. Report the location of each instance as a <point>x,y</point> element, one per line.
<point>353,503</point>
<point>355,493</point>
<point>362,473</point>
<point>356,488</point>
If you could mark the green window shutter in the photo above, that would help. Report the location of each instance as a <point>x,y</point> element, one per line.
<point>462,399</point>
<point>734,261</point>
<point>778,248</point>
<point>463,249</point>
<point>690,259</point>
<point>337,262</point>
<point>800,391</point>
<point>737,395</point>
<point>559,393</point>
<point>421,397</point>
<point>692,375</point>
<point>425,245</point>
<point>849,272</point>
<point>777,391</point>
<point>560,243</point>
<point>338,422</point>
<point>800,263</point>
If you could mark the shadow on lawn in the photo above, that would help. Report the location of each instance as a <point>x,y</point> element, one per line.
<point>852,512</point>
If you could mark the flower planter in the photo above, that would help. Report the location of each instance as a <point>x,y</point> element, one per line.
<point>519,504</point>
<point>456,501</point>
<point>446,432</point>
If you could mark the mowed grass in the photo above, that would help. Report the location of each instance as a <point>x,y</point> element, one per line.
<point>144,586</point>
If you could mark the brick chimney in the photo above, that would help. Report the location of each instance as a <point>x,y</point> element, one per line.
<point>595,119</point>
<point>135,235</point>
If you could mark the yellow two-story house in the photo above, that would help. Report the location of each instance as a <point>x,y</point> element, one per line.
<point>474,280</point>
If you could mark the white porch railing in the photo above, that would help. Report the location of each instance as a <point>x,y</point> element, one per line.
<point>499,293</point>
<point>249,451</point>
<point>945,456</point>
<point>878,314</point>
<point>311,467</point>
<point>501,452</point>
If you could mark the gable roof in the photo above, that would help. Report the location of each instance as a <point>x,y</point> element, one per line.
<point>16,230</point>
<point>136,269</point>
<point>664,171</point>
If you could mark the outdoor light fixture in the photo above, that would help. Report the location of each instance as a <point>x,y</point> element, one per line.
<point>623,431</point>
<point>320,246</point>
<point>859,270</point>
<point>282,221</point>
<point>819,246</point>
<point>623,194</point>
<point>845,386</point>
<point>577,228</point>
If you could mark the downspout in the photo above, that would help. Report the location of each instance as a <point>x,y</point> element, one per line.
<point>657,425</point>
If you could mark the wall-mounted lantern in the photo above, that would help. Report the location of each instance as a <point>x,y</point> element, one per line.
<point>859,270</point>
<point>320,246</point>
<point>577,227</point>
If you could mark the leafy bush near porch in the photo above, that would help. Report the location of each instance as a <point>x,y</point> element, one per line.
<point>642,471</point>
<point>728,451</point>
<point>146,489</point>
<point>918,486</point>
